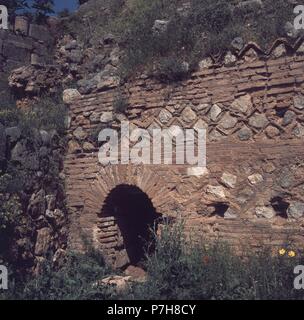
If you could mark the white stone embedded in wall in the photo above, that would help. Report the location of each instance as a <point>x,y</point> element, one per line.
<point>70,95</point>
<point>197,171</point>
<point>106,117</point>
<point>229,180</point>
<point>216,191</point>
<point>255,178</point>
<point>265,212</point>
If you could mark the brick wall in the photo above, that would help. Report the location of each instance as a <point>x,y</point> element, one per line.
<point>253,192</point>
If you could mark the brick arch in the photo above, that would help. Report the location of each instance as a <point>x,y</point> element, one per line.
<point>103,230</point>
<point>146,179</point>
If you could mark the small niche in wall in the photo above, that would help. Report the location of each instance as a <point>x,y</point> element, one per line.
<point>220,209</point>
<point>280,206</point>
<point>280,112</point>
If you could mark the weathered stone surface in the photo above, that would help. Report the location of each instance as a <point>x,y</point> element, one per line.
<point>272,132</point>
<point>237,43</point>
<point>288,118</point>
<point>71,45</point>
<point>298,131</point>
<point>202,107</point>
<point>95,117</point>
<point>87,85</point>
<point>215,112</point>
<point>39,32</point>
<point>290,30</point>
<point>160,26</point>
<point>229,180</point>
<point>279,51</point>
<point>229,59</point>
<point>70,95</point>
<point>20,152</point>
<point>75,56</point>
<point>122,259</point>
<point>73,146</point>
<point>37,60</point>
<point>197,171</point>
<point>56,217</point>
<point>59,257</point>
<point>164,116</point>
<point>13,134</point>
<point>242,104</point>
<point>255,178</point>
<point>265,212</point>
<point>87,146</point>
<point>216,191</point>
<point>299,102</point>
<point>47,136</point>
<point>108,82</point>
<point>51,202</point>
<point>228,122</point>
<point>296,210</point>
<point>120,283</point>
<point>258,121</point>
<point>286,178</point>
<point>245,134</point>
<point>215,135</point>
<point>22,25</point>
<point>80,134</point>
<point>188,115</point>
<point>137,274</point>
<point>205,63</point>
<point>200,124</point>
<point>106,117</point>
<point>37,204</point>
<point>43,242</point>
<point>230,214</point>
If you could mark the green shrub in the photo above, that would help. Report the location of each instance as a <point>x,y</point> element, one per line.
<point>120,103</point>
<point>10,210</point>
<point>10,216</point>
<point>76,280</point>
<point>47,113</point>
<point>206,27</point>
<point>180,270</point>
<point>172,69</point>
<point>176,270</point>
<point>8,111</point>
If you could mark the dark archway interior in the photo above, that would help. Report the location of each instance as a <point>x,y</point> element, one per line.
<point>136,217</point>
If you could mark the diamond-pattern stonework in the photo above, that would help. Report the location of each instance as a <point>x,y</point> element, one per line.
<point>253,113</point>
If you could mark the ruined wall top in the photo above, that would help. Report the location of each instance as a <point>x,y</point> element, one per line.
<point>26,43</point>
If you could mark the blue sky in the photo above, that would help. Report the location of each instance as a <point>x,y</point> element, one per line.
<point>62,4</point>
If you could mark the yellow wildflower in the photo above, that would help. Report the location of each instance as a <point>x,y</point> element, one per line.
<point>282,252</point>
<point>291,254</point>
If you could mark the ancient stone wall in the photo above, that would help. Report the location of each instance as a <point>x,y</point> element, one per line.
<point>253,191</point>
<point>32,193</point>
<point>25,43</point>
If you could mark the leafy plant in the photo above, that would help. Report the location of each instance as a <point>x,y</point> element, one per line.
<point>76,280</point>
<point>181,269</point>
<point>14,5</point>
<point>43,8</point>
<point>192,32</point>
<point>120,103</point>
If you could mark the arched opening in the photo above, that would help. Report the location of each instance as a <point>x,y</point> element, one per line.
<point>135,216</point>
